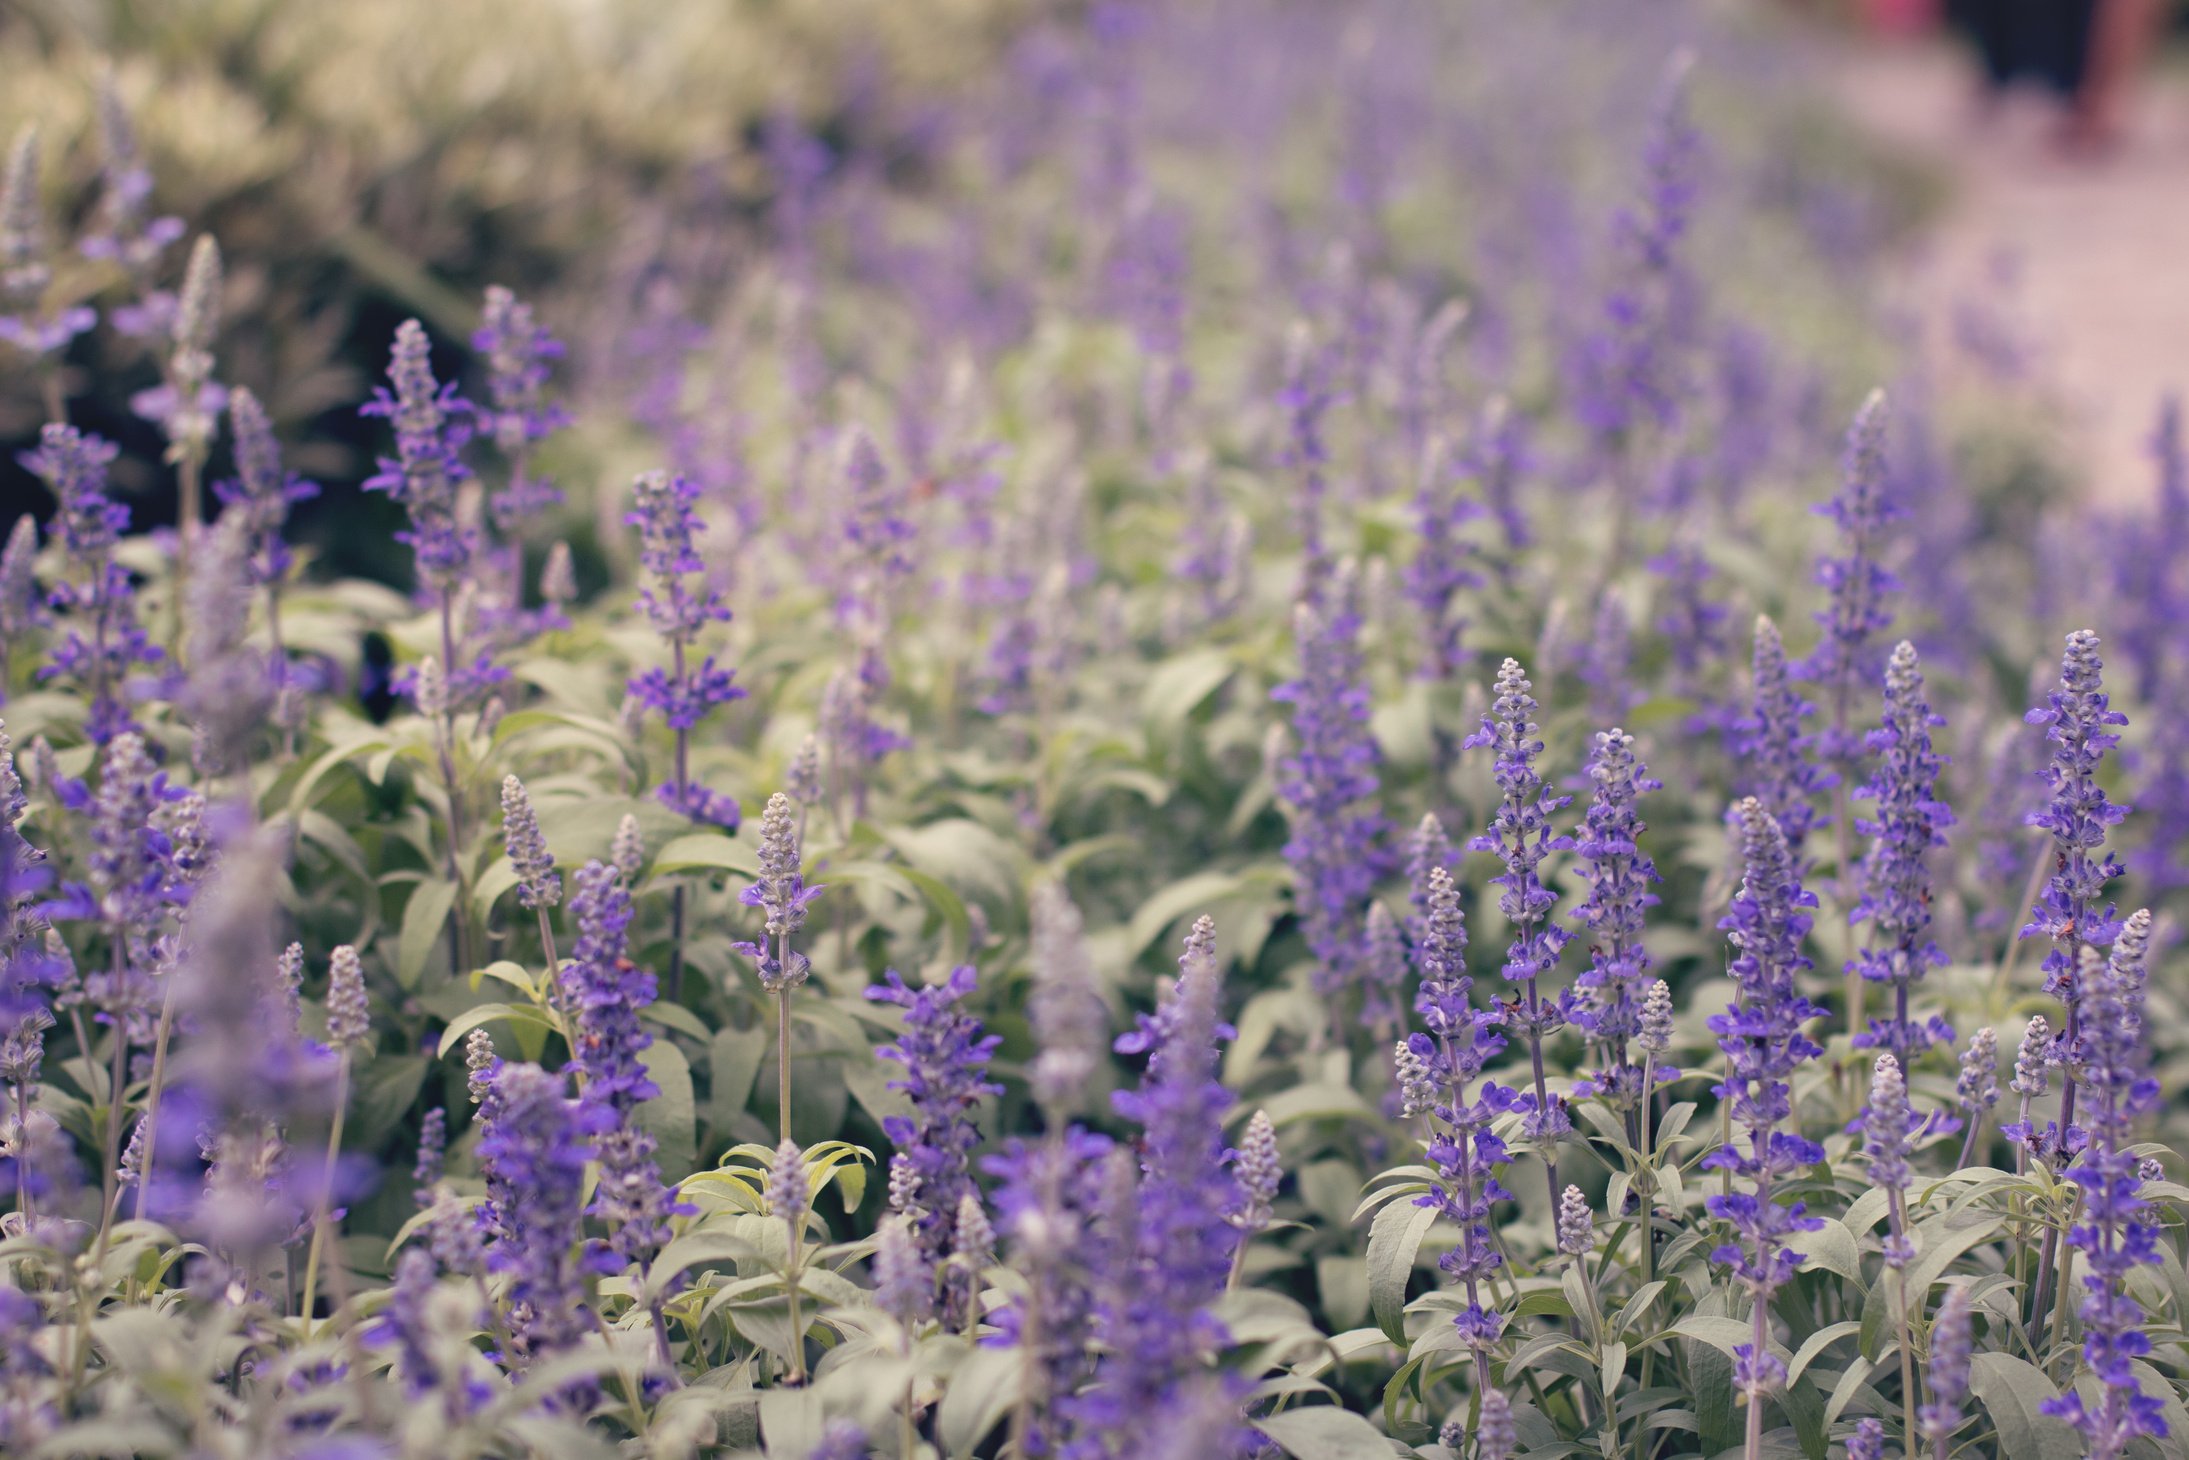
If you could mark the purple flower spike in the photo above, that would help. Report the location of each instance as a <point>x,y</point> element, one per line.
<point>103,642</point>
<point>1521,835</point>
<point>1761,1036</point>
<point>1910,822</point>
<point>1329,787</point>
<point>2071,911</point>
<point>2117,1235</point>
<point>1619,875</point>
<point>432,424</point>
<point>533,1148</point>
<point>1778,756</point>
<point>944,1056</point>
<point>680,603</point>
<point>1857,582</point>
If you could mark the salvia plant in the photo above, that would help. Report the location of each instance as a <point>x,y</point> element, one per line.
<point>1076,785</point>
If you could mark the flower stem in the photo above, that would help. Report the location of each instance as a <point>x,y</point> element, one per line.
<point>320,1219</point>
<point>152,1097</point>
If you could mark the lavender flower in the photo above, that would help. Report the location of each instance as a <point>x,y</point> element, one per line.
<point>944,1056</point>
<point>2077,718</point>
<point>520,355</point>
<point>1154,1318</point>
<point>1463,1145</point>
<point>1521,836</point>
<point>432,1156</point>
<point>904,1280</point>
<point>627,850</point>
<point>781,891</point>
<point>432,426</point>
<point>1576,1224</point>
<point>1309,391</point>
<point>1976,1088</point>
<point>27,318</point>
<point>1329,786</point>
<point>604,992</point>
<point>1868,1440</point>
<point>1887,1123</point>
<point>22,604</point>
<point>1496,1437</point>
<point>1654,1035</point>
<point>2116,1237</point>
<point>1952,1341</point>
<point>538,884</point>
<point>1761,1036</point>
<point>1065,1006</point>
<point>1896,899</point>
<point>1776,753</point>
<point>262,490</point>
<point>532,1150</point>
<point>1259,1171</point>
<point>1856,582</point>
<point>786,1192</point>
<point>1442,567</point>
<point>103,641</point>
<point>679,602</point>
<point>187,405</point>
<point>1631,373</point>
<point>349,1016</point>
<point>121,230</point>
<point>841,1440</point>
<point>1619,877</point>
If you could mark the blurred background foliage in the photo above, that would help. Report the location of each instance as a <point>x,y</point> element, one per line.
<point>362,162</point>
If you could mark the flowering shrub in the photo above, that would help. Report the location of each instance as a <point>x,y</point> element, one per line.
<point>1104,806</point>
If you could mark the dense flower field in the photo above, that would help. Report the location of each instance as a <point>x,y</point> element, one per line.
<point>1255,743</point>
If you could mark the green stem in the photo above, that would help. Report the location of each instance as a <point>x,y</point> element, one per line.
<point>320,1219</point>
<point>160,1040</point>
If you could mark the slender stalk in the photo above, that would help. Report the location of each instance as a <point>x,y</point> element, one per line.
<point>320,1220</point>
<point>152,1096</point>
<point>782,1060</point>
<point>116,1081</point>
<point>1542,1092</point>
<point>792,1277</point>
<point>683,788</point>
<point>1898,1220</point>
<point>908,1439</point>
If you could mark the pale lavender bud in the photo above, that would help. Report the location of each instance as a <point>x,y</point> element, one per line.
<point>904,1287</point>
<point>558,576</point>
<point>1065,1007</point>
<point>1977,1088</point>
<point>1655,1036</point>
<point>973,1240</point>
<point>22,606</point>
<point>803,780</point>
<point>349,1015</point>
<point>1576,1223</point>
<point>1495,1436</point>
<point>430,691</point>
<point>1952,1341</point>
<point>627,852</point>
<point>1259,1172</point>
<point>1411,1074</point>
<point>1867,1442</point>
<point>480,1060</point>
<point>786,1185</point>
<point>2033,1059</point>
<point>538,884</point>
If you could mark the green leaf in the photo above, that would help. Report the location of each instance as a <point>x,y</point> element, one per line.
<point>1325,1432</point>
<point>1188,895</point>
<point>1393,1241</point>
<point>482,1014</point>
<point>671,1115</point>
<point>707,851</point>
<point>1710,1380</point>
<point>2011,1389</point>
<point>981,1391</point>
<point>1180,684</point>
<point>964,854</point>
<point>1615,1365</point>
<point>424,916</point>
